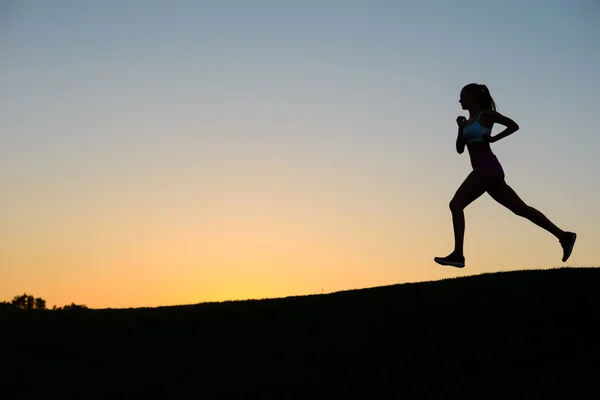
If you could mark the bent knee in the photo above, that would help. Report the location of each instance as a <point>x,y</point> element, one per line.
<point>456,205</point>
<point>521,210</point>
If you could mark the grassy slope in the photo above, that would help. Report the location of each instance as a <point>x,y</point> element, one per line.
<point>473,329</point>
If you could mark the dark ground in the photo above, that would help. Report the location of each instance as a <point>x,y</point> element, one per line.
<point>523,333</point>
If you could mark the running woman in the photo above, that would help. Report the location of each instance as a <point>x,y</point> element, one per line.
<point>488,175</point>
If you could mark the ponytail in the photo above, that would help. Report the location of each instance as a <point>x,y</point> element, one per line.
<point>485,99</point>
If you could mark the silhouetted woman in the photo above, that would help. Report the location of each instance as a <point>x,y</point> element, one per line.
<point>488,175</point>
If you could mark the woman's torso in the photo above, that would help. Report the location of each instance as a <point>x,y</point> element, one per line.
<point>473,135</point>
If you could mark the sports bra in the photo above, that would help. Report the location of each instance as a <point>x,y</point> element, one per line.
<point>474,132</point>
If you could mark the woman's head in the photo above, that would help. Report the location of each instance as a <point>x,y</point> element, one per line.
<point>474,95</point>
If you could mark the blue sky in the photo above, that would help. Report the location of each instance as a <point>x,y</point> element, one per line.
<point>309,122</point>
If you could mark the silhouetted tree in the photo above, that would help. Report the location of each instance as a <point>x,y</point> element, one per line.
<point>74,306</point>
<point>23,302</point>
<point>6,304</point>
<point>40,304</point>
<point>28,302</point>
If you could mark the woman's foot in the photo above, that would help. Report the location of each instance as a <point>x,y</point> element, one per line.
<point>451,260</point>
<point>567,244</point>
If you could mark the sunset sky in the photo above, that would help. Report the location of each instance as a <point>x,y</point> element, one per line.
<point>174,152</point>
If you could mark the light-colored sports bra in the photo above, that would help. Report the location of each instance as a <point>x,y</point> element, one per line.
<point>474,132</point>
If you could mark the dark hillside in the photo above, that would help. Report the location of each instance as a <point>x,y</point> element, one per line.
<point>501,328</point>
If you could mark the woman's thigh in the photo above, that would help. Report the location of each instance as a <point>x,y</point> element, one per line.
<point>478,182</point>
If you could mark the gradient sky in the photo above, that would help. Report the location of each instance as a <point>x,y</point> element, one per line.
<point>160,153</point>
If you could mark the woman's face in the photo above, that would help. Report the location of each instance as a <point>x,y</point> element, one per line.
<point>466,100</point>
